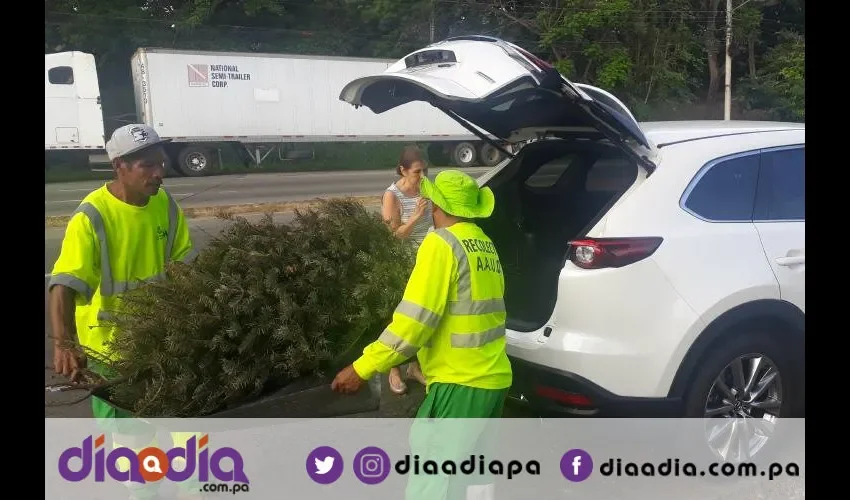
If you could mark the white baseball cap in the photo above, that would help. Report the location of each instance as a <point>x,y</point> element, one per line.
<point>132,138</point>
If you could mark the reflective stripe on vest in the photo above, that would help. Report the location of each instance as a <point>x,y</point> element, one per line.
<point>108,286</point>
<point>463,306</point>
<point>398,344</point>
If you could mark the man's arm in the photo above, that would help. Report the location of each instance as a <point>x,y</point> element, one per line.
<point>418,314</point>
<point>75,277</point>
<point>62,312</point>
<point>183,249</point>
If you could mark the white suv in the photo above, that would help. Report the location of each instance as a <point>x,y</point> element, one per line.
<point>652,269</point>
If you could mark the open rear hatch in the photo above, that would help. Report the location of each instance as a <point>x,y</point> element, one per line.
<point>498,90</point>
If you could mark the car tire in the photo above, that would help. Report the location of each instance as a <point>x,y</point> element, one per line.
<point>740,343</point>
<point>744,344</point>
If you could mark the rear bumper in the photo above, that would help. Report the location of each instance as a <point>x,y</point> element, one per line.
<point>549,391</point>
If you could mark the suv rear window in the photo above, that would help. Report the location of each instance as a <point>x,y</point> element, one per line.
<point>782,185</point>
<point>726,191</point>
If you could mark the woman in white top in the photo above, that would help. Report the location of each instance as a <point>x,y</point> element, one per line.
<point>409,217</point>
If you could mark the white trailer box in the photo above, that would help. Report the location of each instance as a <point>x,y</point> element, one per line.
<point>73,119</point>
<point>259,101</point>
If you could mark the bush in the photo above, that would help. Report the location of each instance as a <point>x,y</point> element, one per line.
<point>264,304</point>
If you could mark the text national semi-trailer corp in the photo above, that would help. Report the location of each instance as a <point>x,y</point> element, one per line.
<point>215,75</point>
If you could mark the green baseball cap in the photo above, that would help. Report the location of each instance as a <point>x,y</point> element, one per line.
<point>458,194</point>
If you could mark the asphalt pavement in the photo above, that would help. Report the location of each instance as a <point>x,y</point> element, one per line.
<point>237,189</point>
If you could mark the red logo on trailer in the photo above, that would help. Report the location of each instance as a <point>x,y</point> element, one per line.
<point>199,75</point>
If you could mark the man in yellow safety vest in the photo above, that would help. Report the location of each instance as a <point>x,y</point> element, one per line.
<point>452,317</point>
<point>122,234</point>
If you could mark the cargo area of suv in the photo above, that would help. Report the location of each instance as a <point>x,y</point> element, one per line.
<point>553,192</point>
<point>581,150</point>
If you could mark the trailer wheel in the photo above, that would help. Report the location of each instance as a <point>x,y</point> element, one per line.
<point>464,154</point>
<point>490,156</point>
<point>195,161</point>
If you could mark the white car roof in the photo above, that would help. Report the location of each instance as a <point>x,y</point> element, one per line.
<point>665,132</point>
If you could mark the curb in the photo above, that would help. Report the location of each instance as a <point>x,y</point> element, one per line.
<point>58,221</point>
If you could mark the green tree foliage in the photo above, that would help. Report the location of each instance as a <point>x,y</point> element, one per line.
<point>656,55</point>
<point>780,85</point>
<point>265,304</point>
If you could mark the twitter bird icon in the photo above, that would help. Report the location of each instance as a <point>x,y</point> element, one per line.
<point>324,465</point>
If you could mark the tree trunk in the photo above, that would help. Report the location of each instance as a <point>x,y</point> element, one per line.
<point>713,76</point>
<point>751,54</point>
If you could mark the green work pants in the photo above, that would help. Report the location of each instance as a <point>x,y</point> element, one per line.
<point>454,422</point>
<point>131,432</point>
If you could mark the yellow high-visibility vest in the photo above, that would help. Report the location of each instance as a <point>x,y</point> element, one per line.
<point>452,316</point>
<point>111,247</point>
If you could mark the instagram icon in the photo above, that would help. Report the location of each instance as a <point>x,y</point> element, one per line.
<point>371,465</point>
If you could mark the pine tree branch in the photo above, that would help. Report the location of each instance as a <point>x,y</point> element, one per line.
<point>263,306</point>
<point>89,388</point>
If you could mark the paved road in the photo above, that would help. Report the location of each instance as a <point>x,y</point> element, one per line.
<point>202,231</point>
<point>63,198</point>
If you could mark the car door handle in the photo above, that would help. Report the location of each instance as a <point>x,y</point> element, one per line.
<point>793,260</point>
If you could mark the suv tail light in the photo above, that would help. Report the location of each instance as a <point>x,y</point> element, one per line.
<point>599,253</point>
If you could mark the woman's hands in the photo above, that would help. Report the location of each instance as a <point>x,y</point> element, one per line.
<point>419,212</point>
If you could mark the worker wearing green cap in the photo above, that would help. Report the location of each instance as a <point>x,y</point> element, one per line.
<point>452,317</point>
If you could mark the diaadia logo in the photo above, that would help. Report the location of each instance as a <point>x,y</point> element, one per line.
<point>151,464</point>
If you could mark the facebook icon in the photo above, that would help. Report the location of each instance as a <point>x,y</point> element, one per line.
<point>576,465</point>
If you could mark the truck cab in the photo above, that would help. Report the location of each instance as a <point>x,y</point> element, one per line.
<point>73,119</point>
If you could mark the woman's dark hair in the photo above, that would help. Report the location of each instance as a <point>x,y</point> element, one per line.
<point>409,156</point>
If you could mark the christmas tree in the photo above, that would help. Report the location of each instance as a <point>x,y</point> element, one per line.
<point>263,305</point>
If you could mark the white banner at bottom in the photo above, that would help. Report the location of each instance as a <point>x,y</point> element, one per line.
<point>377,459</point>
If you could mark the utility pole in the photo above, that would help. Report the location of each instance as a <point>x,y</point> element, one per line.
<point>432,20</point>
<point>727,104</point>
